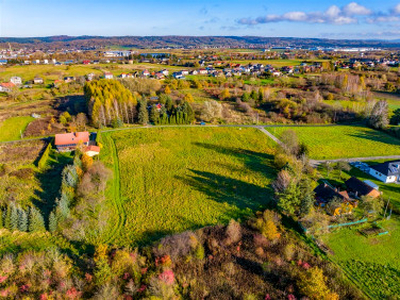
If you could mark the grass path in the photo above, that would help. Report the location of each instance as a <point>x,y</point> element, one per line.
<point>117,202</point>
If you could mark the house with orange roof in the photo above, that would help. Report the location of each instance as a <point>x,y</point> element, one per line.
<point>6,87</point>
<point>70,141</point>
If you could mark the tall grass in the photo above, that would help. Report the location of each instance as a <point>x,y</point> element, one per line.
<point>174,179</point>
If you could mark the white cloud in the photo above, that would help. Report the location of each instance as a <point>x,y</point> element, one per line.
<point>333,15</point>
<point>355,9</point>
<point>396,9</point>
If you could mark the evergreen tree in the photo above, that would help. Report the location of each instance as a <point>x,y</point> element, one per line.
<point>11,221</point>
<point>62,209</point>
<point>22,220</point>
<point>52,222</point>
<point>143,112</point>
<point>36,221</point>
<point>70,176</point>
<point>290,199</point>
<point>154,114</point>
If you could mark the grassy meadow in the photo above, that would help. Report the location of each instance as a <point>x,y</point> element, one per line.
<point>329,142</point>
<point>12,128</point>
<point>172,179</point>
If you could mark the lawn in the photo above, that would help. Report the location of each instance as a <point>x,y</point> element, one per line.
<point>174,179</point>
<point>373,263</point>
<point>12,128</point>
<point>329,142</point>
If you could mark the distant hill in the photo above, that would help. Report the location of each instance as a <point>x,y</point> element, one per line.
<point>146,42</point>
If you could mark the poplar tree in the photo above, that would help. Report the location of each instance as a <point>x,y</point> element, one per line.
<point>143,113</point>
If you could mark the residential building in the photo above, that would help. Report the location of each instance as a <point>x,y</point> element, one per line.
<point>6,87</point>
<point>16,80</point>
<point>69,141</point>
<point>108,75</point>
<point>386,172</point>
<point>358,188</point>
<point>38,80</point>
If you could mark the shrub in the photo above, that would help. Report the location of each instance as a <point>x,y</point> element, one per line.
<point>233,232</point>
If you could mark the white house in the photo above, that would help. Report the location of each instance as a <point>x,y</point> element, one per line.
<point>38,80</point>
<point>16,80</point>
<point>386,172</point>
<point>108,75</point>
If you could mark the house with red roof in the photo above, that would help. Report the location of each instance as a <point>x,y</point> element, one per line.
<point>69,141</point>
<point>6,87</point>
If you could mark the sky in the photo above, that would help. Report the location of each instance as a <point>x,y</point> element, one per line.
<point>269,18</point>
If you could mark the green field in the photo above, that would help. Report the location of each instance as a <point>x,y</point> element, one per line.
<point>47,72</point>
<point>173,179</point>
<point>329,142</point>
<point>373,262</point>
<point>12,128</point>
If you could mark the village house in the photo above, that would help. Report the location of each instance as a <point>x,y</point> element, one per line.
<point>203,72</point>
<point>386,172</point>
<point>358,188</point>
<point>69,141</point>
<point>146,73</point>
<point>69,79</point>
<point>108,75</point>
<point>16,80</point>
<point>325,194</point>
<point>38,80</point>
<point>165,72</point>
<point>178,75</point>
<point>6,87</point>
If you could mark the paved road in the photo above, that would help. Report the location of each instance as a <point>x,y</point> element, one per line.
<point>315,163</point>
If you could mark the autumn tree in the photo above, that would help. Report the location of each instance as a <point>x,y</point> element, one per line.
<point>379,116</point>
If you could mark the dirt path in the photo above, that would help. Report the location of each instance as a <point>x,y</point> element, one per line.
<point>315,163</point>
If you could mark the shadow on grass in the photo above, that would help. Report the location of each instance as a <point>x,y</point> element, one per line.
<point>254,161</point>
<point>229,190</point>
<point>377,136</point>
<point>73,104</point>
<point>50,182</point>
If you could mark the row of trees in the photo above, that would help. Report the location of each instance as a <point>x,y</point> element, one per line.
<point>16,218</point>
<point>109,102</point>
